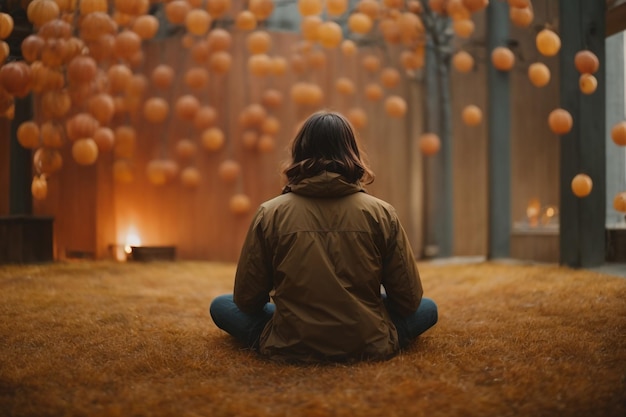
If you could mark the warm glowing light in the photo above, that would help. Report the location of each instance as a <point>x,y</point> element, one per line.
<point>132,239</point>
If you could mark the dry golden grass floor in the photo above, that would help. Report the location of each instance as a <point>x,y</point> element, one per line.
<point>107,339</point>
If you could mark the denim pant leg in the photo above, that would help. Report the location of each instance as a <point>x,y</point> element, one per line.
<point>246,328</point>
<point>415,324</point>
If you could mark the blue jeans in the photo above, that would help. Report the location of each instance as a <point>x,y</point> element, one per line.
<point>247,328</point>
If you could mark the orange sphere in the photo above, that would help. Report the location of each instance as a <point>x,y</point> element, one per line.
<point>162,76</point>
<point>81,125</point>
<point>262,9</point>
<point>472,115</point>
<point>47,161</point>
<point>122,171</point>
<point>56,103</point>
<point>271,125</point>
<point>85,151</point>
<point>104,138</point>
<point>219,40</point>
<point>369,7</point>
<point>6,25</point>
<point>560,121</point>
<point>186,107</point>
<point>329,34</point>
<point>260,65</point>
<point>586,62</point>
<point>156,109</point>
<point>463,28</point>
<point>348,47</point>
<point>548,43</point>
<point>190,177</point>
<point>272,98</point>
<point>102,107</point>
<point>176,11</point>
<point>229,170</point>
<point>371,63</point>
<point>390,77</point>
<point>357,117</point>
<point>373,92</point>
<point>41,11</point>
<point>619,202</point>
<point>127,45</point>
<point>240,204</point>
<point>539,74</point>
<point>32,46</point>
<point>360,23</point>
<point>395,106</point>
<point>309,26</point>
<point>521,17</point>
<point>220,62</point>
<point>16,78</point>
<point>213,139</point>
<point>266,143</point>
<point>587,83</point>
<point>119,76</point>
<point>156,173</point>
<point>618,133</point>
<point>198,22</point>
<point>245,20</point>
<point>51,135</point>
<point>146,26</point>
<point>205,117</point>
<point>429,144</point>
<point>463,61</point>
<point>310,7</point>
<point>39,187</point>
<point>502,58</point>
<point>336,7</point>
<point>196,78</point>
<point>28,135</point>
<point>125,141</point>
<point>279,66</point>
<point>186,148</point>
<point>344,86</point>
<point>258,42</point>
<point>582,185</point>
<point>249,139</point>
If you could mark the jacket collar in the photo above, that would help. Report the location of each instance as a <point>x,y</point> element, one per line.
<point>324,185</point>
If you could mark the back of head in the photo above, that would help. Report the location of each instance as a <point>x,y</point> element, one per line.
<point>326,142</point>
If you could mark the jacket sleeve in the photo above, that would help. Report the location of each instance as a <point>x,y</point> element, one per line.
<point>253,279</point>
<point>401,277</point>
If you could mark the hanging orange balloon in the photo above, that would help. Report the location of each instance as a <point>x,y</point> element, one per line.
<point>156,109</point>
<point>41,11</point>
<point>187,107</point>
<point>586,62</point>
<point>582,185</point>
<point>619,202</point>
<point>229,171</point>
<point>85,151</point>
<point>102,108</point>
<point>502,58</point>
<point>198,22</point>
<point>260,65</point>
<point>336,7</point>
<point>39,187</point>
<point>196,78</point>
<point>146,26</point>
<point>266,143</point>
<point>330,34</point>
<point>463,28</point>
<point>6,25</point>
<point>220,62</point>
<point>104,138</point>
<point>125,141</point>
<point>249,139</point>
<point>176,11</point>
<point>259,42</point>
<point>395,106</point>
<point>429,144</point>
<point>213,139</point>
<point>279,66</point>
<point>270,126</point>
<point>472,115</point>
<point>190,177</point>
<point>186,148</point>
<point>373,92</point>
<point>240,204</point>
<point>262,9</point>
<point>587,83</point>
<point>357,117</point>
<point>548,43</point>
<point>310,7</point>
<point>16,78</point>
<point>205,117</point>
<point>127,45</point>
<point>28,135</point>
<point>618,133</point>
<point>245,20</point>
<point>81,125</point>
<point>390,77</point>
<point>521,16</point>
<point>272,98</point>
<point>371,63</point>
<point>32,45</point>
<point>119,76</point>
<point>344,86</point>
<point>539,74</point>
<point>51,135</point>
<point>47,161</point>
<point>219,40</point>
<point>560,121</point>
<point>462,61</point>
<point>369,7</point>
<point>348,47</point>
<point>360,23</point>
<point>309,27</point>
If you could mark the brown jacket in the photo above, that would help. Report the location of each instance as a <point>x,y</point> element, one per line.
<point>322,251</point>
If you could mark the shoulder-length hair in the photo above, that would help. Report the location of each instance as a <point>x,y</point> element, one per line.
<point>326,142</point>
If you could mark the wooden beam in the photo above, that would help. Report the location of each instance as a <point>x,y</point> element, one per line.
<point>615,20</point>
<point>499,148</point>
<point>582,220</point>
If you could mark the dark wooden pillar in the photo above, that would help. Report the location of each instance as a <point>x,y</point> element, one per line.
<point>499,148</point>
<point>582,220</point>
<point>20,170</point>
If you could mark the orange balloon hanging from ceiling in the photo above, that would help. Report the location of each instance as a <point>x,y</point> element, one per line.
<point>240,204</point>
<point>190,177</point>
<point>582,185</point>
<point>344,86</point>
<point>586,62</point>
<point>262,9</point>
<point>472,115</point>
<point>502,58</point>
<point>213,139</point>
<point>218,8</point>
<point>31,47</point>
<point>619,202</point>
<point>618,133</point>
<point>560,121</point>
<point>272,98</point>
<point>39,187</point>
<point>47,161</point>
<point>220,62</point>
<point>390,77</point>
<point>348,47</point>
<point>229,170</point>
<point>16,78</point>
<point>186,148</point>
<point>198,22</point>
<point>539,74</point>
<point>52,135</point>
<point>336,7</point>
<point>104,137</point>
<point>373,92</point>
<point>360,23</point>
<point>310,7</point>
<point>462,61</point>
<point>145,26</point>
<point>463,28</point>
<point>205,117</point>
<point>41,11</point>
<point>260,65</point>
<point>521,17</point>
<point>548,43</point>
<point>81,125</point>
<point>309,27</point>
<point>28,135</point>
<point>357,117</point>
<point>176,11</point>
<point>369,7</point>
<point>6,25</point>
<point>156,109</point>
<point>429,144</point>
<point>395,106</point>
<point>245,20</point>
<point>219,40</point>
<point>85,151</point>
<point>162,76</point>
<point>187,107</point>
<point>330,35</point>
<point>259,42</point>
<point>587,83</point>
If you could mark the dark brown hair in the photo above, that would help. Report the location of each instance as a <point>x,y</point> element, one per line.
<point>326,142</point>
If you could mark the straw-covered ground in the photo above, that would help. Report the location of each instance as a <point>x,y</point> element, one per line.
<point>131,339</point>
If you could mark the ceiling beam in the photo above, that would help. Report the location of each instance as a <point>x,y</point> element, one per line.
<point>616,19</point>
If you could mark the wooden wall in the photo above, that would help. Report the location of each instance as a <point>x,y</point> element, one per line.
<point>92,211</point>
<point>4,165</point>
